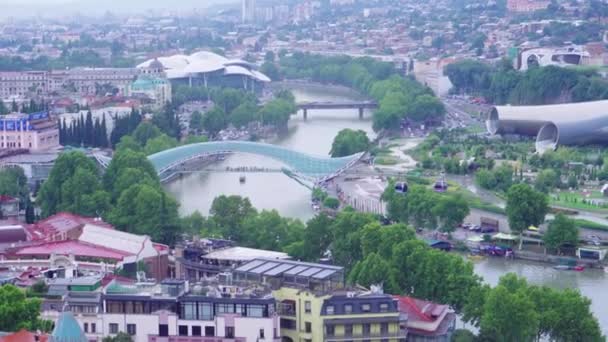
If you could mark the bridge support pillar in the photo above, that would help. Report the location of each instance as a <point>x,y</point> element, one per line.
<point>360,113</point>
<point>305,112</point>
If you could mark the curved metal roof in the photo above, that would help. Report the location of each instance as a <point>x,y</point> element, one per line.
<point>314,167</point>
<point>182,66</point>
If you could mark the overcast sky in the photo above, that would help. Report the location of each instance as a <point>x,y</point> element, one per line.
<point>35,7</point>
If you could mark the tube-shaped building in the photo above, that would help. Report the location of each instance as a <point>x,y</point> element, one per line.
<point>560,124</point>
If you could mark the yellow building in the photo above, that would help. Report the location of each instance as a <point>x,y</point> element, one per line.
<point>339,316</point>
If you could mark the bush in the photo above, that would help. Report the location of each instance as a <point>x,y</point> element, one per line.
<point>331,203</point>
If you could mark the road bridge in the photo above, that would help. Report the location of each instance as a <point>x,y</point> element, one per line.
<point>361,105</point>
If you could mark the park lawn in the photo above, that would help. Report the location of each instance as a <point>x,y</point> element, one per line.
<point>474,201</point>
<point>590,225</point>
<point>562,202</point>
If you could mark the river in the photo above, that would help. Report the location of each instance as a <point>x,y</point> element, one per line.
<point>275,190</point>
<point>315,136</point>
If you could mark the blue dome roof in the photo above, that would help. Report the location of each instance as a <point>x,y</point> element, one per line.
<point>67,329</point>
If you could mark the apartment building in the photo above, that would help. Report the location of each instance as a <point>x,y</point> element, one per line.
<point>35,132</point>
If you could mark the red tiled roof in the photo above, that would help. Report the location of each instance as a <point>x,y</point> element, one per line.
<point>76,248</point>
<point>62,222</point>
<point>420,310</point>
<point>24,336</point>
<point>7,198</point>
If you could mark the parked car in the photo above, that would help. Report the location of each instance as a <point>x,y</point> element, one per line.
<point>487,229</point>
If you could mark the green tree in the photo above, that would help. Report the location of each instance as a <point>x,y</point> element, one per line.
<point>120,337</point>
<point>245,113</point>
<point>196,122</point>
<point>73,185</point>
<point>159,144</point>
<point>346,237</point>
<point>214,121</point>
<point>421,204</point>
<point>316,240</point>
<point>371,271</point>
<point>331,203</point>
<point>268,230</point>
<point>13,182</point>
<point>451,211</point>
<point>123,160</point>
<point>561,231</point>
<point>277,112</point>
<point>509,314</point>
<point>525,207</point>
<point>271,70</point>
<point>145,131</point>
<point>349,142</point>
<point>16,311</point>
<point>147,210</point>
<point>426,108</point>
<point>546,180</point>
<point>228,213</point>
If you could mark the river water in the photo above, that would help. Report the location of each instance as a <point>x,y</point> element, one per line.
<point>275,190</point>
<point>314,136</point>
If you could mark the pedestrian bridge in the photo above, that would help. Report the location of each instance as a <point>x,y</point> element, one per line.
<point>313,168</point>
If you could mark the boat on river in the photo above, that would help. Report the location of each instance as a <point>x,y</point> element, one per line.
<point>242,179</point>
<point>578,268</point>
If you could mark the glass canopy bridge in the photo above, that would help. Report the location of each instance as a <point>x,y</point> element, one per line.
<point>315,169</point>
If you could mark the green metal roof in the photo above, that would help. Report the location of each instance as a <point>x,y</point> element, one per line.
<point>314,167</point>
<point>67,329</point>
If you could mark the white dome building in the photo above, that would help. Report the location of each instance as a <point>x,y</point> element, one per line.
<point>209,69</point>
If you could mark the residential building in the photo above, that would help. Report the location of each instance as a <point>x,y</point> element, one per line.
<point>339,316</point>
<point>94,80</point>
<point>173,311</point>
<point>526,6</point>
<point>427,321</point>
<point>248,11</point>
<point>72,241</point>
<point>23,83</point>
<point>35,132</point>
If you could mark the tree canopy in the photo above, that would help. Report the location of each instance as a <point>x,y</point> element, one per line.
<point>349,142</point>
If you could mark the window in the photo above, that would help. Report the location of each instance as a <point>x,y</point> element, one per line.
<point>188,311</point>
<point>329,309</point>
<point>93,328</point>
<point>308,327</point>
<point>205,311</point>
<point>182,330</point>
<point>262,333</point>
<point>366,307</point>
<point>196,330</point>
<point>229,332</point>
<point>131,329</point>
<point>367,328</point>
<point>288,324</point>
<point>330,330</point>
<point>384,307</point>
<point>224,308</point>
<point>348,329</point>
<point>348,309</point>
<point>384,328</point>
<point>209,331</point>
<point>113,328</point>
<point>163,330</point>
<point>307,305</point>
<point>86,328</point>
<point>256,311</point>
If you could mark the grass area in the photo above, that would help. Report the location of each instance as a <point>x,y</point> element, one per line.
<point>576,200</point>
<point>590,225</point>
<point>386,160</point>
<point>474,201</point>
